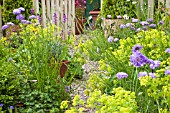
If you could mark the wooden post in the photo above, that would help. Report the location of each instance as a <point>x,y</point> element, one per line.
<point>43,13</point>
<point>66,23</point>
<point>150,8</point>
<point>37,6</point>
<point>69,15</point>
<point>73,16</point>
<point>57,12</point>
<point>141,5</point>
<point>48,10</point>
<point>168,6</point>
<point>1,33</point>
<point>52,10</point>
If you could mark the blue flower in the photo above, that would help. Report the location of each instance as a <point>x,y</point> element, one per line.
<point>140,74</point>
<point>138,30</point>
<point>20,17</point>
<point>128,24</point>
<point>32,17</point>
<point>143,23</point>
<point>167,72</point>
<point>11,107</point>
<point>24,21</point>
<point>1,104</point>
<point>10,23</point>
<point>121,75</point>
<point>4,27</point>
<point>16,11</point>
<point>136,48</point>
<point>21,9</point>
<point>161,22</point>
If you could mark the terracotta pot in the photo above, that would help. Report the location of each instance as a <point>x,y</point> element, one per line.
<point>63,68</point>
<point>94,14</point>
<point>79,26</point>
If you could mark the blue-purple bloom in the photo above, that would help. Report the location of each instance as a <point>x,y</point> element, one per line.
<point>167,72</point>
<point>141,74</point>
<point>1,104</point>
<point>32,11</point>
<point>136,48</point>
<point>24,21</point>
<point>155,64</point>
<point>144,23</point>
<point>22,9</point>
<point>11,107</point>
<point>134,20</point>
<point>138,59</point>
<point>16,11</point>
<point>133,28</point>
<point>121,75</point>
<point>152,75</point>
<point>39,18</point>
<point>128,24</point>
<point>67,88</point>
<point>110,39</point>
<point>20,17</point>
<point>152,25</point>
<point>167,50</point>
<point>64,18</point>
<point>32,17</point>
<point>4,27</point>
<point>161,22</point>
<point>122,26</point>
<point>149,20</point>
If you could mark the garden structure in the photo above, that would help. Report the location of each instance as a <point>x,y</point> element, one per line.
<point>122,65</point>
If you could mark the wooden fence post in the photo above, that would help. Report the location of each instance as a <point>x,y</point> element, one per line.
<point>150,8</point>
<point>43,13</point>
<point>1,33</point>
<point>73,16</point>
<point>168,6</point>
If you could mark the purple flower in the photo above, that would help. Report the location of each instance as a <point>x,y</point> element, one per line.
<point>64,18</point>
<point>138,59</point>
<point>1,104</point>
<point>167,72</point>
<point>138,30</point>
<point>133,28</point>
<point>21,9</point>
<point>55,18</point>
<point>128,24</point>
<point>116,39</point>
<point>119,17</point>
<point>161,22</point>
<point>67,88</point>
<point>136,48</point>
<point>155,64</point>
<point>110,39</point>
<point>152,25</point>
<point>149,20</point>
<point>152,75</point>
<point>32,17</point>
<point>32,11</point>
<point>134,20</point>
<point>145,28</point>
<point>39,18</point>
<point>143,23</point>
<point>10,23</point>
<point>140,74</point>
<point>20,17</point>
<point>167,50</point>
<point>11,107</point>
<point>122,26</point>
<point>16,11</point>
<point>24,21</point>
<point>4,27</point>
<point>121,75</point>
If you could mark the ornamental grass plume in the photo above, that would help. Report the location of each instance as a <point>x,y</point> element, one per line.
<point>121,75</point>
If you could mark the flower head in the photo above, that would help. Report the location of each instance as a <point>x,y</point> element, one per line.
<point>20,17</point>
<point>110,39</point>
<point>155,64</point>
<point>4,27</point>
<point>32,17</point>
<point>121,75</point>
<point>119,17</point>
<point>128,24</point>
<point>1,104</point>
<point>126,17</point>
<point>64,18</point>
<point>167,72</point>
<point>152,25</point>
<point>152,75</point>
<point>161,22</point>
<point>143,23</point>
<point>109,16</point>
<point>10,23</point>
<point>138,30</point>
<point>116,39</point>
<point>167,50</point>
<point>16,11</point>
<point>140,74</point>
<point>11,107</point>
<point>122,26</point>
<point>21,9</point>
<point>138,59</point>
<point>135,20</point>
<point>32,11</point>
<point>136,48</point>
<point>149,20</point>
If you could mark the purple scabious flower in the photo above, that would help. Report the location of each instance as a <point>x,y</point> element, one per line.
<point>144,23</point>
<point>32,17</point>
<point>16,11</point>
<point>20,17</point>
<point>11,107</point>
<point>116,39</point>
<point>4,27</point>
<point>134,20</point>
<point>161,22</point>
<point>119,17</point>
<point>21,9</point>
<point>136,48</point>
<point>141,74</point>
<point>155,64</point>
<point>138,59</point>
<point>121,75</point>
<point>152,75</point>
<point>167,50</point>
<point>64,18</point>
<point>149,20</point>
<point>110,39</point>
<point>152,25</point>
<point>122,26</point>
<point>167,72</point>
<point>1,104</point>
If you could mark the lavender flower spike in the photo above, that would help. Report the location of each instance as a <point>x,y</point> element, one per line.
<point>121,75</point>
<point>136,48</point>
<point>167,50</point>
<point>167,72</point>
<point>16,11</point>
<point>4,27</point>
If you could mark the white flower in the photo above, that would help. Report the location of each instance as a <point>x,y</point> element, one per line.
<point>134,2</point>
<point>110,39</point>
<point>126,17</point>
<point>109,16</point>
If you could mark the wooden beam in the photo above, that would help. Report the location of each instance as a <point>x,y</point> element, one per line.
<point>43,13</point>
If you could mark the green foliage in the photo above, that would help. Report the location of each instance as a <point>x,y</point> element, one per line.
<point>10,5</point>
<point>118,7</point>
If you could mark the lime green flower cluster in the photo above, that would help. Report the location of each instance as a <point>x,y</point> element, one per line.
<point>120,101</point>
